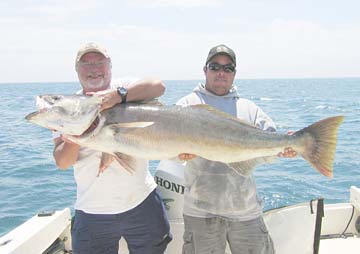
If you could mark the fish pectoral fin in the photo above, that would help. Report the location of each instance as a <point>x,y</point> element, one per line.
<point>245,168</point>
<point>131,125</point>
<point>126,161</point>
<point>106,160</point>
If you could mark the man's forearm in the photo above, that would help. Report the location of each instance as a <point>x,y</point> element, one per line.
<point>66,154</point>
<point>145,89</point>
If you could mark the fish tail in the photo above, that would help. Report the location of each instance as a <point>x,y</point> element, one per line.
<point>320,148</point>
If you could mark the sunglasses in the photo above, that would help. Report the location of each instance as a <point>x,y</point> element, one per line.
<point>229,68</point>
<point>88,65</point>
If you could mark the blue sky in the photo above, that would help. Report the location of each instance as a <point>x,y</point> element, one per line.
<point>170,39</point>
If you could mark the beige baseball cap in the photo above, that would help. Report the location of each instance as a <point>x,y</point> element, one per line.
<point>90,47</point>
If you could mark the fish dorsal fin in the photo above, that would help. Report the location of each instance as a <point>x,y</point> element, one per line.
<point>221,113</point>
<point>131,125</point>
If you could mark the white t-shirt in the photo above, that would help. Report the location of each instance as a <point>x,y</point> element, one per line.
<point>115,190</point>
<point>212,188</point>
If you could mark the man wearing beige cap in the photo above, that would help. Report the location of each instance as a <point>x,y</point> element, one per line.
<point>115,203</point>
<point>221,205</point>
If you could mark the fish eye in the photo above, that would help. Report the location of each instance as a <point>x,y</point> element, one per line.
<point>54,98</point>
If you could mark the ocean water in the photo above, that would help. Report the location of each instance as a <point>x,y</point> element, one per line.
<point>30,182</point>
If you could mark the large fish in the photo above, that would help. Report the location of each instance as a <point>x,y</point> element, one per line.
<point>157,132</point>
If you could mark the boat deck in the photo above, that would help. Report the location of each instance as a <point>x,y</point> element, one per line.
<point>349,245</point>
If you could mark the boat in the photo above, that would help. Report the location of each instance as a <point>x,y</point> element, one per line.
<point>310,227</point>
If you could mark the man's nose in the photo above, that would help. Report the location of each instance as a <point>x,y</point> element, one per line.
<point>221,73</point>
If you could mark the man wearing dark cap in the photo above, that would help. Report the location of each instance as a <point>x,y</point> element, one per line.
<point>220,205</point>
<point>113,204</point>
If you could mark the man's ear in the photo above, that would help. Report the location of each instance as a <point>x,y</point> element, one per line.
<point>205,69</point>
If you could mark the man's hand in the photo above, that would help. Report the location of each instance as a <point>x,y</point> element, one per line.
<point>109,98</point>
<point>288,151</point>
<point>186,156</point>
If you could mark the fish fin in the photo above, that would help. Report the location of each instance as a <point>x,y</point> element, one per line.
<point>320,151</point>
<point>106,160</point>
<point>222,114</point>
<point>245,168</point>
<point>131,125</point>
<point>126,161</point>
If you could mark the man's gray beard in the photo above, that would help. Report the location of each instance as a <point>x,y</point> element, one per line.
<point>94,85</point>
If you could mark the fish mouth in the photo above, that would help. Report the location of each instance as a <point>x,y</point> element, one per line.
<point>32,115</point>
<point>92,127</point>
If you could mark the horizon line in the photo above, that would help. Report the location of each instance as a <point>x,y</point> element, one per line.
<point>191,79</point>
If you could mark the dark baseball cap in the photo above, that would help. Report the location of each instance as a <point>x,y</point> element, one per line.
<point>221,49</point>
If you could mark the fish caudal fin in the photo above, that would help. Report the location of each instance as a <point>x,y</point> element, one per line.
<point>320,151</point>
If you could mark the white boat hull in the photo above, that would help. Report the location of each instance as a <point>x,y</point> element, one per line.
<point>292,228</point>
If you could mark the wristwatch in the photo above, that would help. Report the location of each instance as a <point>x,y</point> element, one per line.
<point>122,91</point>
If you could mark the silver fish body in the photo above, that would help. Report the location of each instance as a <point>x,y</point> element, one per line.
<point>163,132</point>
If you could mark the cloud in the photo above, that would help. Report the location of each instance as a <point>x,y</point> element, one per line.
<point>49,11</point>
<point>183,4</point>
<point>288,48</point>
<point>41,43</point>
